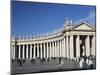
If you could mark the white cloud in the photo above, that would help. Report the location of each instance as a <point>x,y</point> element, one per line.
<point>89,18</point>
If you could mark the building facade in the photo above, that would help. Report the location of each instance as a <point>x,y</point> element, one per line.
<point>70,42</point>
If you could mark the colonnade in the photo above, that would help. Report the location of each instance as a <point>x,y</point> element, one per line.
<point>68,47</point>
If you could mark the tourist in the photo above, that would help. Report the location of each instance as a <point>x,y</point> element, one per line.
<point>91,65</point>
<point>81,63</point>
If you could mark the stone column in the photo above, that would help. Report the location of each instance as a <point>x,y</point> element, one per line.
<point>87,42</point>
<point>44,50</point>
<point>34,52</point>
<point>77,46</point>
<point>27,51</point>
<point>71,47</point>
<point>93,52</point>
<point>30,51</point>
<point>50,49</point>
<point>41,50</point>
<point>55,49</point>
<point>67,47</point>
<point>13,52</point>
<point>37,50</point>
<point>23,51</point>
<point>64,47</point>
<point>60,49</point>
<point>47,50</point>
<point>19,54</point>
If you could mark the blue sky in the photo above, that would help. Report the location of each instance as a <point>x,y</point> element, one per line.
<point>36,18</point>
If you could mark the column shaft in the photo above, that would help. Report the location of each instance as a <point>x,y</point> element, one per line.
<point>34,52</point>
<point>37,50</point>
<point>55,49</point>
<point>30,51</point>
<point>23,51</point>
<point>77,46</point>
<point>50,49</point>
<point>93,52</point>
<point>47,50</point>
<point>67,47</point>
<point>13,52</point>
<point>64,47</point>
<point>60,49</point>
<point>19,54</point>
<point>71,47</point>
<point>44,50</point>
<point>87,46</point>
<point>27,51</point>
<point>41,49</point>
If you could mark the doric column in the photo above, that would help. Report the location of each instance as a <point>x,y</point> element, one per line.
<point>13,51</point>
<point>34,52</point>
<point>44,50</point>
<point>47,50</point>
<point>19,54</point>
<point>67,47</point>
<point>64,47</point>
<point>30,51</point>
<point>93,46</point>
<point>77,46</point>
<point>41,50</point>
<point>37,50</point>
<point>55,48</point>
<point>60,49</point>
<point>87,42</point>
<point>27,51</point>
<point>71,47</point>
<point>23,51</point>
<point>50,49</point>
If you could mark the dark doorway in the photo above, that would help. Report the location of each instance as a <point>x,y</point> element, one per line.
<point>82,43</point>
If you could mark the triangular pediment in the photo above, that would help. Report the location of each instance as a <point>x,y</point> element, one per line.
<point>84,26</point>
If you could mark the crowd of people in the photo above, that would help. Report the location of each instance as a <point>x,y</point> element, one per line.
<point>86,62</point>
